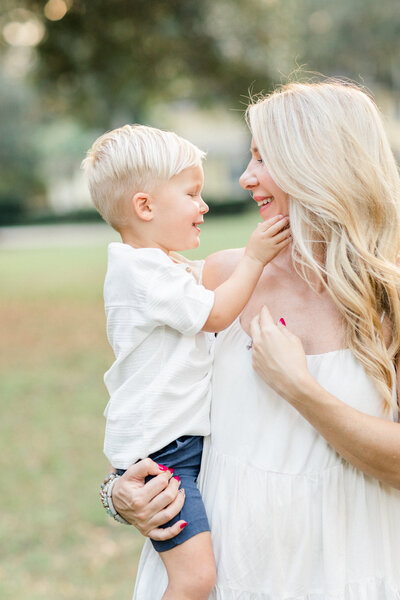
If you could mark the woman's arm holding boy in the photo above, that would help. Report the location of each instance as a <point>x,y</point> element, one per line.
<point>149,505</point>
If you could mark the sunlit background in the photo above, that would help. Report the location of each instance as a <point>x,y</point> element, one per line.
<point>69,70</point>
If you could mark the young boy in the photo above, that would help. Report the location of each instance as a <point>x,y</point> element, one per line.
<point>147,184</point>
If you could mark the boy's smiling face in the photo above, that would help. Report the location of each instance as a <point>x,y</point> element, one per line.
<point>178,210</point>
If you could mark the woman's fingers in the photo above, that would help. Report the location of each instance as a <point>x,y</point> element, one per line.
<point>263,323</point>
<point>255,329</point>
<point>136,502</point>
<point>149,505</point>
<point>132,496</point>
<point>166,533</point>
<point>157,485</point>
<point>265,317</point>
<point>267,323</point>
<point>278,355</point>
<point>155,532</point>
<point>138,471</point>
<point>168,513</point>
<point>164,498</point>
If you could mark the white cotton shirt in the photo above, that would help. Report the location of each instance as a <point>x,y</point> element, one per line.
<point>159,384</point>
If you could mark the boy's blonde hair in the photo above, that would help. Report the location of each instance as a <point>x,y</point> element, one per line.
<point>131,159</point>
<point>324,144</point>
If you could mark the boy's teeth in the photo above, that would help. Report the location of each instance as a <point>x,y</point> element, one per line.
<point>266,201</point>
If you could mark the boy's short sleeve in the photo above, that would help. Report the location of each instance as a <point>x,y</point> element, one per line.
<point>175,299</point>
<point>155,291</point>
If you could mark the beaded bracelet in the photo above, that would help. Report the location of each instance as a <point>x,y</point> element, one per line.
<point>106,497</point>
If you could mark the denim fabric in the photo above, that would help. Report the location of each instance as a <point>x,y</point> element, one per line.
<point>184,456</point>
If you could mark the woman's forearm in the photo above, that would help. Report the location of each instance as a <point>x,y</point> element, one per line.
<point>371,444</point>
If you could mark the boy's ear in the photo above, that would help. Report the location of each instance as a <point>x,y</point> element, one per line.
<point>142,205</point>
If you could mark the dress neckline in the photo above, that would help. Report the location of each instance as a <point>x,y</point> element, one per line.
<point>330,352</point>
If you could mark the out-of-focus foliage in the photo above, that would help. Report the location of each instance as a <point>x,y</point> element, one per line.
<point>19,181</point>
<point>107,58</point>
<point>359,39</point>
<point>102,63</point>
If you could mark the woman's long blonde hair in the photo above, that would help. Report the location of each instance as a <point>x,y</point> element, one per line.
<point>324,144</point>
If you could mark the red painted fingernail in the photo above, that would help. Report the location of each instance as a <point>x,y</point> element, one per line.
<point>282,320</point>
<point>177,477</point>
<point>183,525</point>
<point>170,469</point>
<point>162,467</point>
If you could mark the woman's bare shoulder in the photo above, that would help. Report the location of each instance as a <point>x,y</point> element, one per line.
<point>219,266</point>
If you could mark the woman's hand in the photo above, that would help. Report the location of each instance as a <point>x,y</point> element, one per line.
<point>278,355</point>
<point>149,505</point>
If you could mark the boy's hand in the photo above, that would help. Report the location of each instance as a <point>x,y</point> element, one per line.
<point>268,239</point>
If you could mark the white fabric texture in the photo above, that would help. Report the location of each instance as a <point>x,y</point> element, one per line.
<point>290,519</point>
<point>159,384</point>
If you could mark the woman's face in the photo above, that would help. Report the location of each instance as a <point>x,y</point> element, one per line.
<point>271,199</point>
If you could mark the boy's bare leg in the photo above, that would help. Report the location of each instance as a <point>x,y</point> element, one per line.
<point>191,569</point>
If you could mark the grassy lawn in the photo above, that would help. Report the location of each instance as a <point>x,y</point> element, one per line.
<point>56,541</point>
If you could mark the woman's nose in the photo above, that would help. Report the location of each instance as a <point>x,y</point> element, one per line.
<point>247,180</point>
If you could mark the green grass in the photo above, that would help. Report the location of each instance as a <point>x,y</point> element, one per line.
<point>56,541</point>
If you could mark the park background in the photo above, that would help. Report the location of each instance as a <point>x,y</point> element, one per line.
<point>69,70</point>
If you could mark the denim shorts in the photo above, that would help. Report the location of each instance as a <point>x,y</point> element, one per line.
<point>184,456</point>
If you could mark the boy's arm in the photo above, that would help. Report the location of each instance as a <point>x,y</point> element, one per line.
<point>232,295</point>
<point>219,266</point>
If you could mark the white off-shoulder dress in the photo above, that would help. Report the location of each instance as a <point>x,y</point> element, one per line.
<point>290,519</point>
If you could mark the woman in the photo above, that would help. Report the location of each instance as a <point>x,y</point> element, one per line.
<point>303,507</point>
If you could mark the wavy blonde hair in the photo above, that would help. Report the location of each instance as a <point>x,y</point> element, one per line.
<point>324,144</point>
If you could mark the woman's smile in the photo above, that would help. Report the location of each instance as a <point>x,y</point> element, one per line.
<point>263,203</point>
<point>270,198</point>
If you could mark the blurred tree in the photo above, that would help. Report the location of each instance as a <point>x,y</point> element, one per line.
<point>105,60</point>
<point>108,61</point>
<point>20,184</point>
<point>357,39</point>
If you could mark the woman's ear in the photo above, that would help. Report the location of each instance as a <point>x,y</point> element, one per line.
<point>142,206</point>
